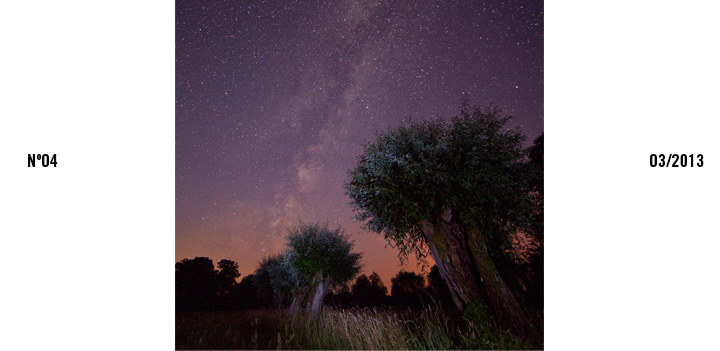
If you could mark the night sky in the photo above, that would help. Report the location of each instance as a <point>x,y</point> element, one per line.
<point>275,99</point>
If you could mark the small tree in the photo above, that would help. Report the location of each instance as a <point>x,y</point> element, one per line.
<point>320,259</point>
<point>459,191</point>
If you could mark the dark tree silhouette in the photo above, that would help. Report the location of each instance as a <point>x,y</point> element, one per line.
<point>457,189</point>
<point>438,289</point>
<point>274,282</point>
<point>196,285</point>
<point>227,276</point>
<point>369,292</point>
<point>536,268</point>
<point>244,294</point>
<point>342,298</point>
<point>407,289</point>
<point>525,276</point>
<point>199,286</point>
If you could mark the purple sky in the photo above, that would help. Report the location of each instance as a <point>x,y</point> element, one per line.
<point>275,99</point>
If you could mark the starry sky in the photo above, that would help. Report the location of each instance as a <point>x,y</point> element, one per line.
<point>274,100</point>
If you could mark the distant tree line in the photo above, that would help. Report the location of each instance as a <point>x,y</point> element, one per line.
<point>201,287</point>
<point>408,290</point>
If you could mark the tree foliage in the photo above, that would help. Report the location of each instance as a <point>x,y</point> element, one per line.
<point>245,294</point>
<point>535,282</point>
<point>407,289</point>
<point>227,275</point>
<point>196,285</point>
<point>537,178</point>
<point>315,249</point>
<point>274,281</point>
<point>415,172</point>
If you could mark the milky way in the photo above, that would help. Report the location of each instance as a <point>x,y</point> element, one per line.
<point>275,99</point>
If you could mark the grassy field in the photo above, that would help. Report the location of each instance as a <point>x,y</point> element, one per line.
<point>337,329</point>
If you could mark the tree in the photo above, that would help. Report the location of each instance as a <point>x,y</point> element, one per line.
<point>274,281</point>
<point>438,289</point>
<point>320,258</point>
<point>379,291</point>
<point>537,254</point>
<point>458,190</point>
<point>199,286</point>
<point>407,289</point>
<point>369,292</point>
<point>340,298</point>
<point>245,293</point>
<point>227,276</point>
<point>196,284</point>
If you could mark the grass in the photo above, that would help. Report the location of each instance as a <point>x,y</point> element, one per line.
<point>334,329</point>
<point>252,329</point>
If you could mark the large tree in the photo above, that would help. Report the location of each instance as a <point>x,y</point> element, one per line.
<point>320,259</point>
<point>459,189</point>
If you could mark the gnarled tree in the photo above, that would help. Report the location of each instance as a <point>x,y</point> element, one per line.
<point>320,258</point>
<point>458,190</point>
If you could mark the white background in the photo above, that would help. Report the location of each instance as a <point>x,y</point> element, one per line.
<point>87,253</point>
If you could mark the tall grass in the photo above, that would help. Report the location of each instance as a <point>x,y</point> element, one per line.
<point>335,329</point>
<point>376,329</point>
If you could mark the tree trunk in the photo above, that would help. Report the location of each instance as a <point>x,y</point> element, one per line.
<point>319,296</point>
<point>465,265</point>
<point>298,299</point>
<point>448,248</point>
<point>508,311</point>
